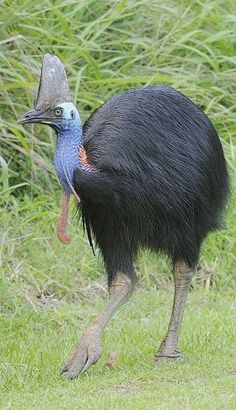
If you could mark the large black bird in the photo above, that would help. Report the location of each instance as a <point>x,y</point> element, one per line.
<point>149,171</point>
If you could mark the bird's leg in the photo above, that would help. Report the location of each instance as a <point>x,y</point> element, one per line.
<point>182,280</point>
<point>89,348</point>
<point>63,220</point>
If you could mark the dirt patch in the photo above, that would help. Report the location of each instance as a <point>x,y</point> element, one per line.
<point>124,388</point>
<point>134,387</point>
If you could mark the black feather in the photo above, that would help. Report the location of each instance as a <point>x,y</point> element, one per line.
<point>86,228</point>
<point>158,178</point>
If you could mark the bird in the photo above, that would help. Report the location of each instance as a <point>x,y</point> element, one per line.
<point>147,170</point>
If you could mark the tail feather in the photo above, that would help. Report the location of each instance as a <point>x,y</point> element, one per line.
<point>87,229</point>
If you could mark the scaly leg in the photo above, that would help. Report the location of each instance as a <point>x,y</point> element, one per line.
<point>89,348</point>
<point>182,279</point>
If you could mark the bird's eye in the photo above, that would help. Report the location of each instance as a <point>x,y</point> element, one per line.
<point>72,114</point>
<point>58,112</point>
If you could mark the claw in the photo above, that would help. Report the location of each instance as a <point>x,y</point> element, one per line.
<point>63,369</point>
<point>70,375</point>
<point>87,354</point>
<point>89,363</point>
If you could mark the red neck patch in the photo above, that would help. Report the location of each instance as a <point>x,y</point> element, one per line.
<point>83,157</point>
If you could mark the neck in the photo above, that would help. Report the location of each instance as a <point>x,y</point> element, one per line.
<point>72,133</point>
<point>66,156</point>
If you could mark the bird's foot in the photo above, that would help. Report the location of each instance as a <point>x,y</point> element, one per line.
<point>166,358</point>
<point>86,354</point>
<point>167,352</point>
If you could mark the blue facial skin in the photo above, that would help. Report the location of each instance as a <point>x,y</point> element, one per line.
<point>68,128</point>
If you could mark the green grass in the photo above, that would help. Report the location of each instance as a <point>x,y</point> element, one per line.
<point>46,292</point>
<point>42,336</point>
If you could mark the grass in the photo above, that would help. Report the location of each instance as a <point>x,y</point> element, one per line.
<point>49,295</point>
<point>41,338</point>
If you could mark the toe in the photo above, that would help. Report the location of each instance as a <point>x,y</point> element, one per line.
<point>91,360</point>
<point>77,364</point>
<point>87,353</point>
<point>71,374</point>
<point>64,369</point>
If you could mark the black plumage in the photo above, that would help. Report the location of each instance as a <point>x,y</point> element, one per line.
<point>158,178</point>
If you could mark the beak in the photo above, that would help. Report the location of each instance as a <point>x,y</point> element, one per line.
<point>35,116</point>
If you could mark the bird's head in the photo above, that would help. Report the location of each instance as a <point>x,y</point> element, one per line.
<point>61,117</point>
<point>53,106</point>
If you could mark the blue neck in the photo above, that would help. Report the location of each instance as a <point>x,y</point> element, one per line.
<point>66,156</point>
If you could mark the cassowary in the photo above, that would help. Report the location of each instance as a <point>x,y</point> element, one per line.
<point>148,170</point>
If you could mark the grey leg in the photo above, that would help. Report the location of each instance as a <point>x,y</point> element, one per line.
<point>89,348</point>
<point>182,280</point>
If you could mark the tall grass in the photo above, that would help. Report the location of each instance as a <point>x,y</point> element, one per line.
<point>108,47</point>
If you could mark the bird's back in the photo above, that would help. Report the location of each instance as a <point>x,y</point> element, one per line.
<point>157,137</point>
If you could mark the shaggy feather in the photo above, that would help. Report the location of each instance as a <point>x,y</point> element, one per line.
<point>158,177</point>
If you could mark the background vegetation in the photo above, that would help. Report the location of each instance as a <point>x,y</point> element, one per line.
<point>46,289</point>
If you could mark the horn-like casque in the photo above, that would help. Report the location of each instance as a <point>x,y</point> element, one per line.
<point>53,85</point>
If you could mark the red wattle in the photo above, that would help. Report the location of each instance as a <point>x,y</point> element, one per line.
<point>63,221</point>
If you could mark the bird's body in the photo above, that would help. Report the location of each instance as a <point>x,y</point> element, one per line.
<point>159,177</point>
<point>150,172</point>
